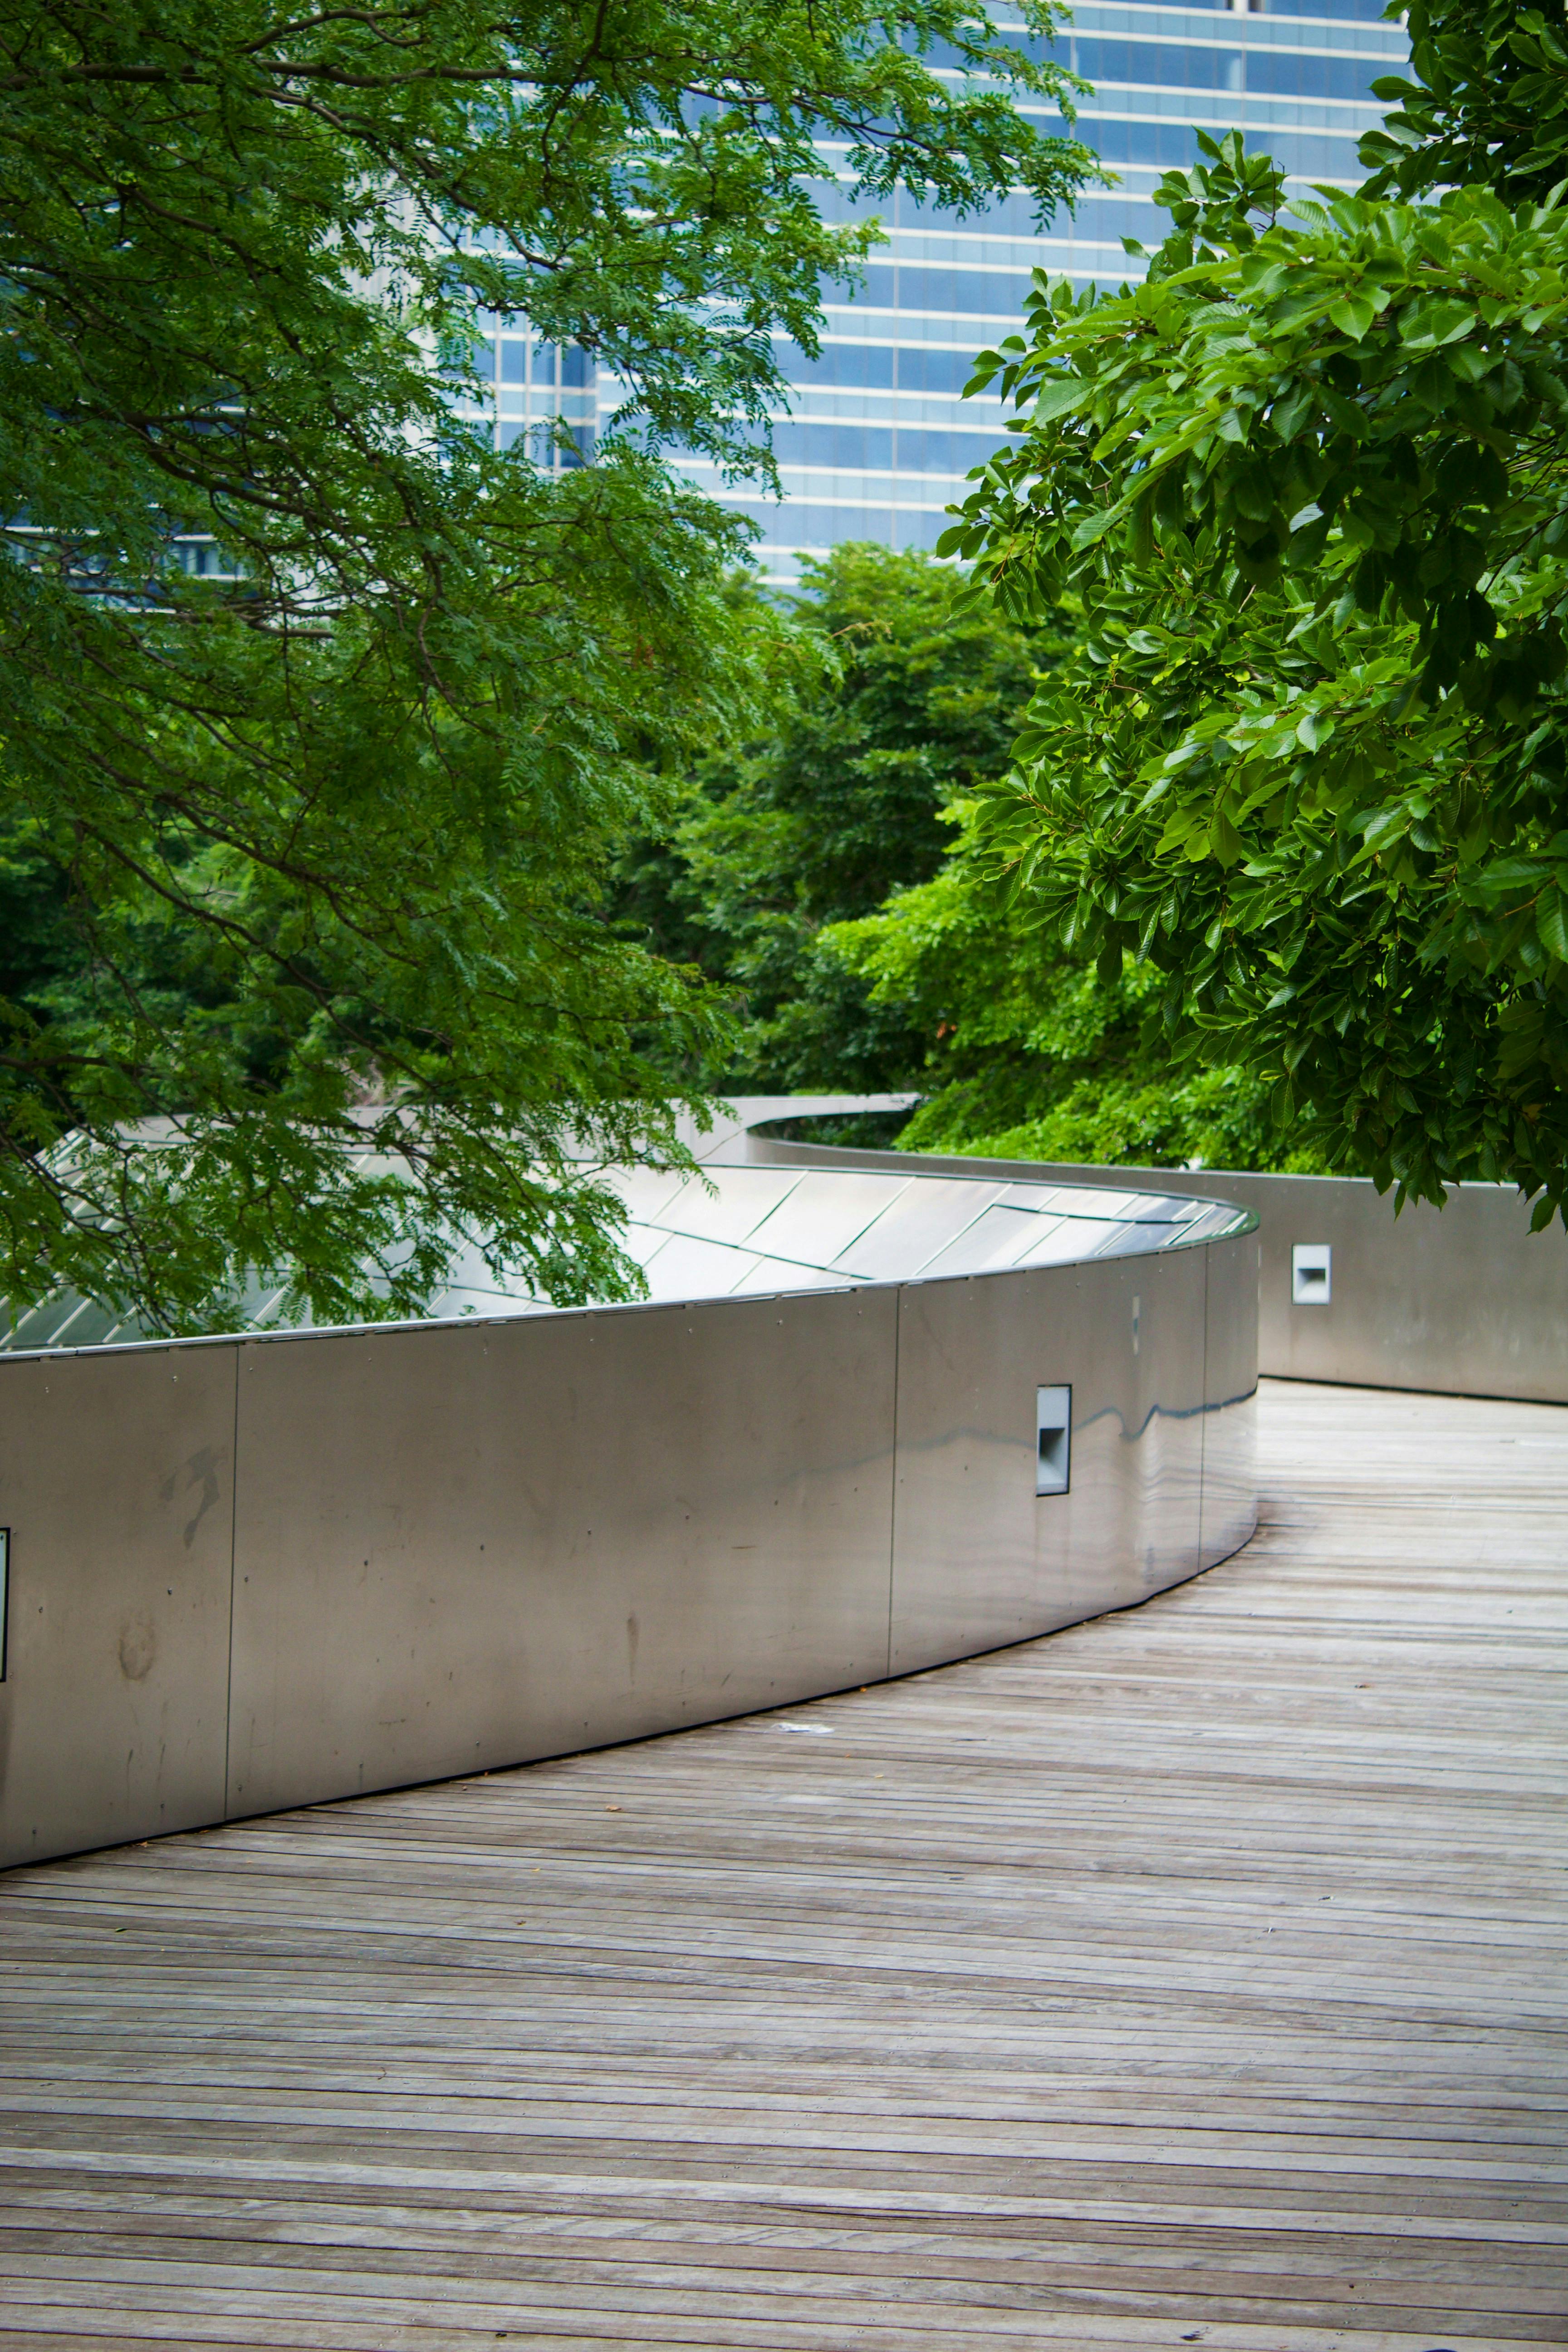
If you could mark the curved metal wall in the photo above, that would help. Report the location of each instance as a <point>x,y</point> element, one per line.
<point>1463,1300</point>
<point>263,1571</point>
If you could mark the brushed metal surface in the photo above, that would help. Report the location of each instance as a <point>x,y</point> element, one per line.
<point>1462,1300</point>
<point>268,1572</point>
<point>117,1484</point>
<point>1230,1398</point>
<point>459,1546</point>
<point>979,1559</point>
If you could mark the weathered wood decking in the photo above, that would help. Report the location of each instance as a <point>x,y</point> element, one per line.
<point>1192,1977</point>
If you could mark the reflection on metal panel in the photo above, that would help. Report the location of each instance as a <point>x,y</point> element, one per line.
<point>1230,1391</point>
<point>973,1542</point>
<point>1149,1427</point>
<point>1230,1479</point>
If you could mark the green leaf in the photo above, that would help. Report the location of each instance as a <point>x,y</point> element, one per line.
<point>1353,315</point>
<point>1505,877</point>
<point>1351,717</point>
<point>1551,928</point>
<point>1062,398</point>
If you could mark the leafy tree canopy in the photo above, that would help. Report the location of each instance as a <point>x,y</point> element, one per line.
<point>1024,1050</point>
<point>840,804</point>
<point>1488,108</point>
<point>321,718</point>
<point>1306,484</point>
<point>833,878</point>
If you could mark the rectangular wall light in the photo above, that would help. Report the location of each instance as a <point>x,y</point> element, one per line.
<point>1053,1440</point>
<point>1312,1274</point>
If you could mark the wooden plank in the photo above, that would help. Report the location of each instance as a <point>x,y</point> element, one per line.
<point>1192,1976</point>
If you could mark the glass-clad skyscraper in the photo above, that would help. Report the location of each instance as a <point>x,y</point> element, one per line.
<point>879,439</point>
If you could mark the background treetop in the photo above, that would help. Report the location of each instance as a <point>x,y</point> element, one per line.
<point>833,876</point>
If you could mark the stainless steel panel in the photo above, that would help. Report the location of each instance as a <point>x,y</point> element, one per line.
<point>1230,1397</point>
<point>461,1546</point>
<point>978,1558</point>
<point>116,1482</point>
<point>1140,1436</point>
<point>1463,1300</point>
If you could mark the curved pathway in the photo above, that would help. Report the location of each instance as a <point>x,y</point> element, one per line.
<point>1192,1977</point>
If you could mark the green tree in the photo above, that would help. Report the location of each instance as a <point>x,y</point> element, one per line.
<point>840,804</point>
<point>1030,1052</point>
<point>831,879</point>
<point>321,719</point>
<point>1306,484</point>
<point>1489,107</point>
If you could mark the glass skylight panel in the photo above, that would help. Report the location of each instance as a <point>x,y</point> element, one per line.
<point>930,1213</point>
<point>1066,1240</point>
<point>999,1238</point>
<point>685,1269</point>
<point>766,1274</point>
<point>746,1196</point>
<point>646,1191</point>
<point>825,1214</point>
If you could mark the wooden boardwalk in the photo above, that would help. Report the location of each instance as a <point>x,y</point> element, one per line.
<point>1196,1977</point>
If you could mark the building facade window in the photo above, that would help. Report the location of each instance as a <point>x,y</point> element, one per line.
<point>878,439</point>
